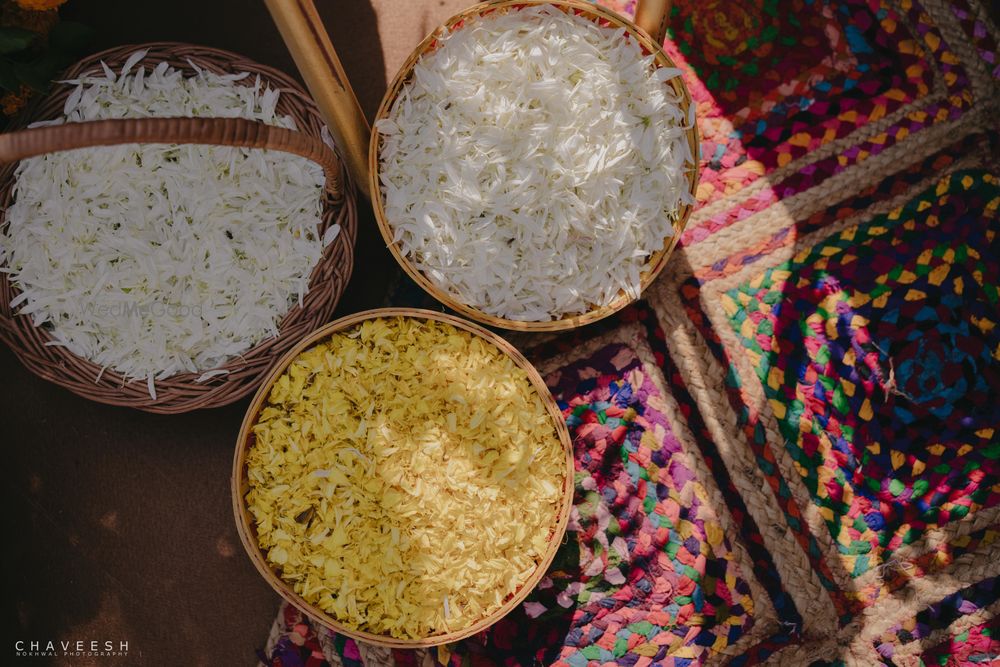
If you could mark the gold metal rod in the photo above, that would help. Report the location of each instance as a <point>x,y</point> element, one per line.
<point>653,16</point>
<point>306,38</point>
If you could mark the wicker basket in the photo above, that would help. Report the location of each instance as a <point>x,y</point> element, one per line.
<point>180,393</point>
<point>240,484</point>
<point>656,262</point>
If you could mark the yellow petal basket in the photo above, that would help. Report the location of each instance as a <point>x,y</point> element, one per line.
<point>274,404</point>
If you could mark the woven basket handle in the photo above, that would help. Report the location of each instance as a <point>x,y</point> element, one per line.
<point>216,131</point>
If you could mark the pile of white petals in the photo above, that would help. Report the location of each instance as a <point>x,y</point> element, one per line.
<point>534,162</point>
<point>158,259</point>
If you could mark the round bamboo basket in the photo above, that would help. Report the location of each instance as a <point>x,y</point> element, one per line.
<point>181,392</point>
<point>240,484</point>
<point>656,262</point>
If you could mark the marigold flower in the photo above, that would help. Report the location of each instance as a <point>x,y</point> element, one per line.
<point>13,15</point>
<point>39,5</point>
<point>12,102</point>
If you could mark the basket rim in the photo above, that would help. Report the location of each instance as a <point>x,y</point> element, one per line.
<point>656,261</point>
<point>247,530</point>
<point>181,392</point>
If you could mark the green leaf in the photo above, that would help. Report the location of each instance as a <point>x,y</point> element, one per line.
<point>8,78</point>
<point>13,40</point>
<point>34,76</point>
<point>52,63</point>
<point>71,37</point>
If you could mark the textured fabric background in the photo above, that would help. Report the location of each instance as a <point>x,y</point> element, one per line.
<point>788,451</point>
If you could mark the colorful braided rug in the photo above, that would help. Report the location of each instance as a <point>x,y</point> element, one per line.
<point>789,452</point>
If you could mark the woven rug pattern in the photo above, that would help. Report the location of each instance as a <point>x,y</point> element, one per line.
<point>789,451</point>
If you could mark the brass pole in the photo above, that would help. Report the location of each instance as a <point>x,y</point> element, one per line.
<point>653,16</point>
<point>306,38</point>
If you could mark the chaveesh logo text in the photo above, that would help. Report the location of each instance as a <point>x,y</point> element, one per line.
<point>91,648</point>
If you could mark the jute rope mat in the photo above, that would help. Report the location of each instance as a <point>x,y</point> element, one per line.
<point>789,451</point>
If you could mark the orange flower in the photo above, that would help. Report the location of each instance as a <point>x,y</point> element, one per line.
<point>11,103</point>
<point>13,15</point>
<point>39,5</point>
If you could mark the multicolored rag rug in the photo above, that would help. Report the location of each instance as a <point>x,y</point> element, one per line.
<point>789,451</point>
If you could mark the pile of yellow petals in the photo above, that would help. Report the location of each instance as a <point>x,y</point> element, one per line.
<point>405,477</point>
